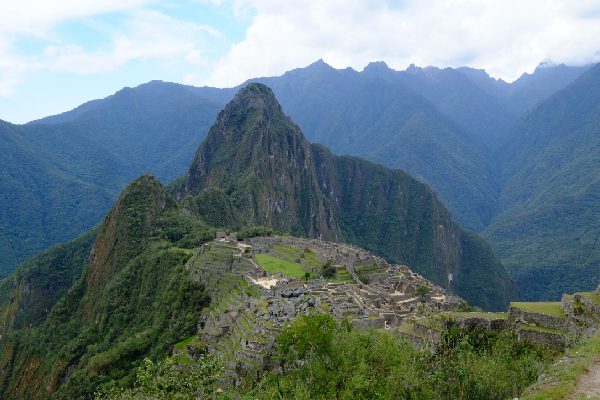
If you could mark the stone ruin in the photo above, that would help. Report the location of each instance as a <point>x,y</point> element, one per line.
<point>242,326</point>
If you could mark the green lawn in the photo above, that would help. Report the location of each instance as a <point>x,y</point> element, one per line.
<point>273,264</point>
<point>307,259</point>
<point>593,297</point>
<point>184,343</point>
<point>541,329</point>
<point>486,315</point>
<point>287,251</point>
<point>549,308</point>
<point>343,275</point>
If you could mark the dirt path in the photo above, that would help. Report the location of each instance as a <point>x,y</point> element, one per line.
<point>588,386</point>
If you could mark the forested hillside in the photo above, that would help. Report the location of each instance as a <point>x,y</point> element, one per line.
<point>547,228</point>
<point>58,177</point>
<point>450,128</point>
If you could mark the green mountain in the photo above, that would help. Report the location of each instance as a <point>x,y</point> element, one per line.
<point>73,319</point>
<point>59,176</point>
<point>260,160</point>
<point>49,191</point>
<point>548,225</point>
<point>445,127</point>
<point>387,117</point>
<point>88,312</point>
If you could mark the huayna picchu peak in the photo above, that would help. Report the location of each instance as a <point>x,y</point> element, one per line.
<point>261,160</point>
<point>275,178</point>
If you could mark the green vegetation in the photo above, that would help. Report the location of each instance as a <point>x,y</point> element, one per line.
<point>550,308</point>
<point>28,295</point>
<point>422,291</point>
<point>591,296</point>
<point>322,358</point>
<point>169,380</point>
<point>385,211</point>
<point>562,376</point>
<point>327,270</point>
<point>59,179</point>
<point>274,265</point>
<point>135,299</point>
<point>547,229</point>
<point>539,328</point>
<point>325,359</point>
<point>485,315</point>
<point>251,232</point>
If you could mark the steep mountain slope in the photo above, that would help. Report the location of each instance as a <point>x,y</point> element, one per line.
<point>42,192</point>
<point>376,116</point>
<point>483,116</point>
<point>547,228</point>
<point>27,296</point>
<point>260,159</point>
<point>153,127</point>
<point>58,177</point>
<point>130,298</point>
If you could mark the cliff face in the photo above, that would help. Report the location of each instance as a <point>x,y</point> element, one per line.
<point>259,157</point>
<point>274,177</point>
<point>391,213</point>
<point>27,297</point>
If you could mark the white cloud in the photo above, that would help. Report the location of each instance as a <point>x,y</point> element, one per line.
<point>504,37</point>
<point>144,34</point>
<point>148,34</point>
<point>36,17</point>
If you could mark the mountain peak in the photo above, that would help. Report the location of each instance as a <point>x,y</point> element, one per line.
<point>320,65</point>
<point>259,157</point>
<point>376,66</point>
<point>125,229</point>
<point>255,96</point>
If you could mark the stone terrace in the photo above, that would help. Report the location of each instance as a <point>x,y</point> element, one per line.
<point>249,305</point>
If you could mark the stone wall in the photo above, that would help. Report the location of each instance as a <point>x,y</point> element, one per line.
<point>548,340</point>
<point>550,321</point>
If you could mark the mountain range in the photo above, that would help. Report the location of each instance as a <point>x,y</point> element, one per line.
<point>81,314</point>
<point>476,141</point>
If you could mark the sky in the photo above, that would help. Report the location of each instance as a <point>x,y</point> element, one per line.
<point>55,55</point>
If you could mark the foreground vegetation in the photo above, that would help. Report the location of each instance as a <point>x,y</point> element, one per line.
<point>321,358</point>
<point>563,375</point>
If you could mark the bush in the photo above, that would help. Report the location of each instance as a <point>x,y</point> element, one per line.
<point>327,270</point>
<point>322,358</point>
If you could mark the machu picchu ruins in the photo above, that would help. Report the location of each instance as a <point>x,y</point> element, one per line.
<point>260,285</point>
<point>252,300</point>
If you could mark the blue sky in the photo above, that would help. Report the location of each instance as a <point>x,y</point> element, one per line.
<point>55,55</point>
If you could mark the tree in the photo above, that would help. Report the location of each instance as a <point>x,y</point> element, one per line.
<point>327,270</point>
<point>422,291</point>
<point>170,380</point>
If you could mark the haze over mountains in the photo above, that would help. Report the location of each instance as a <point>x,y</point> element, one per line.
<point>518,162</point>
